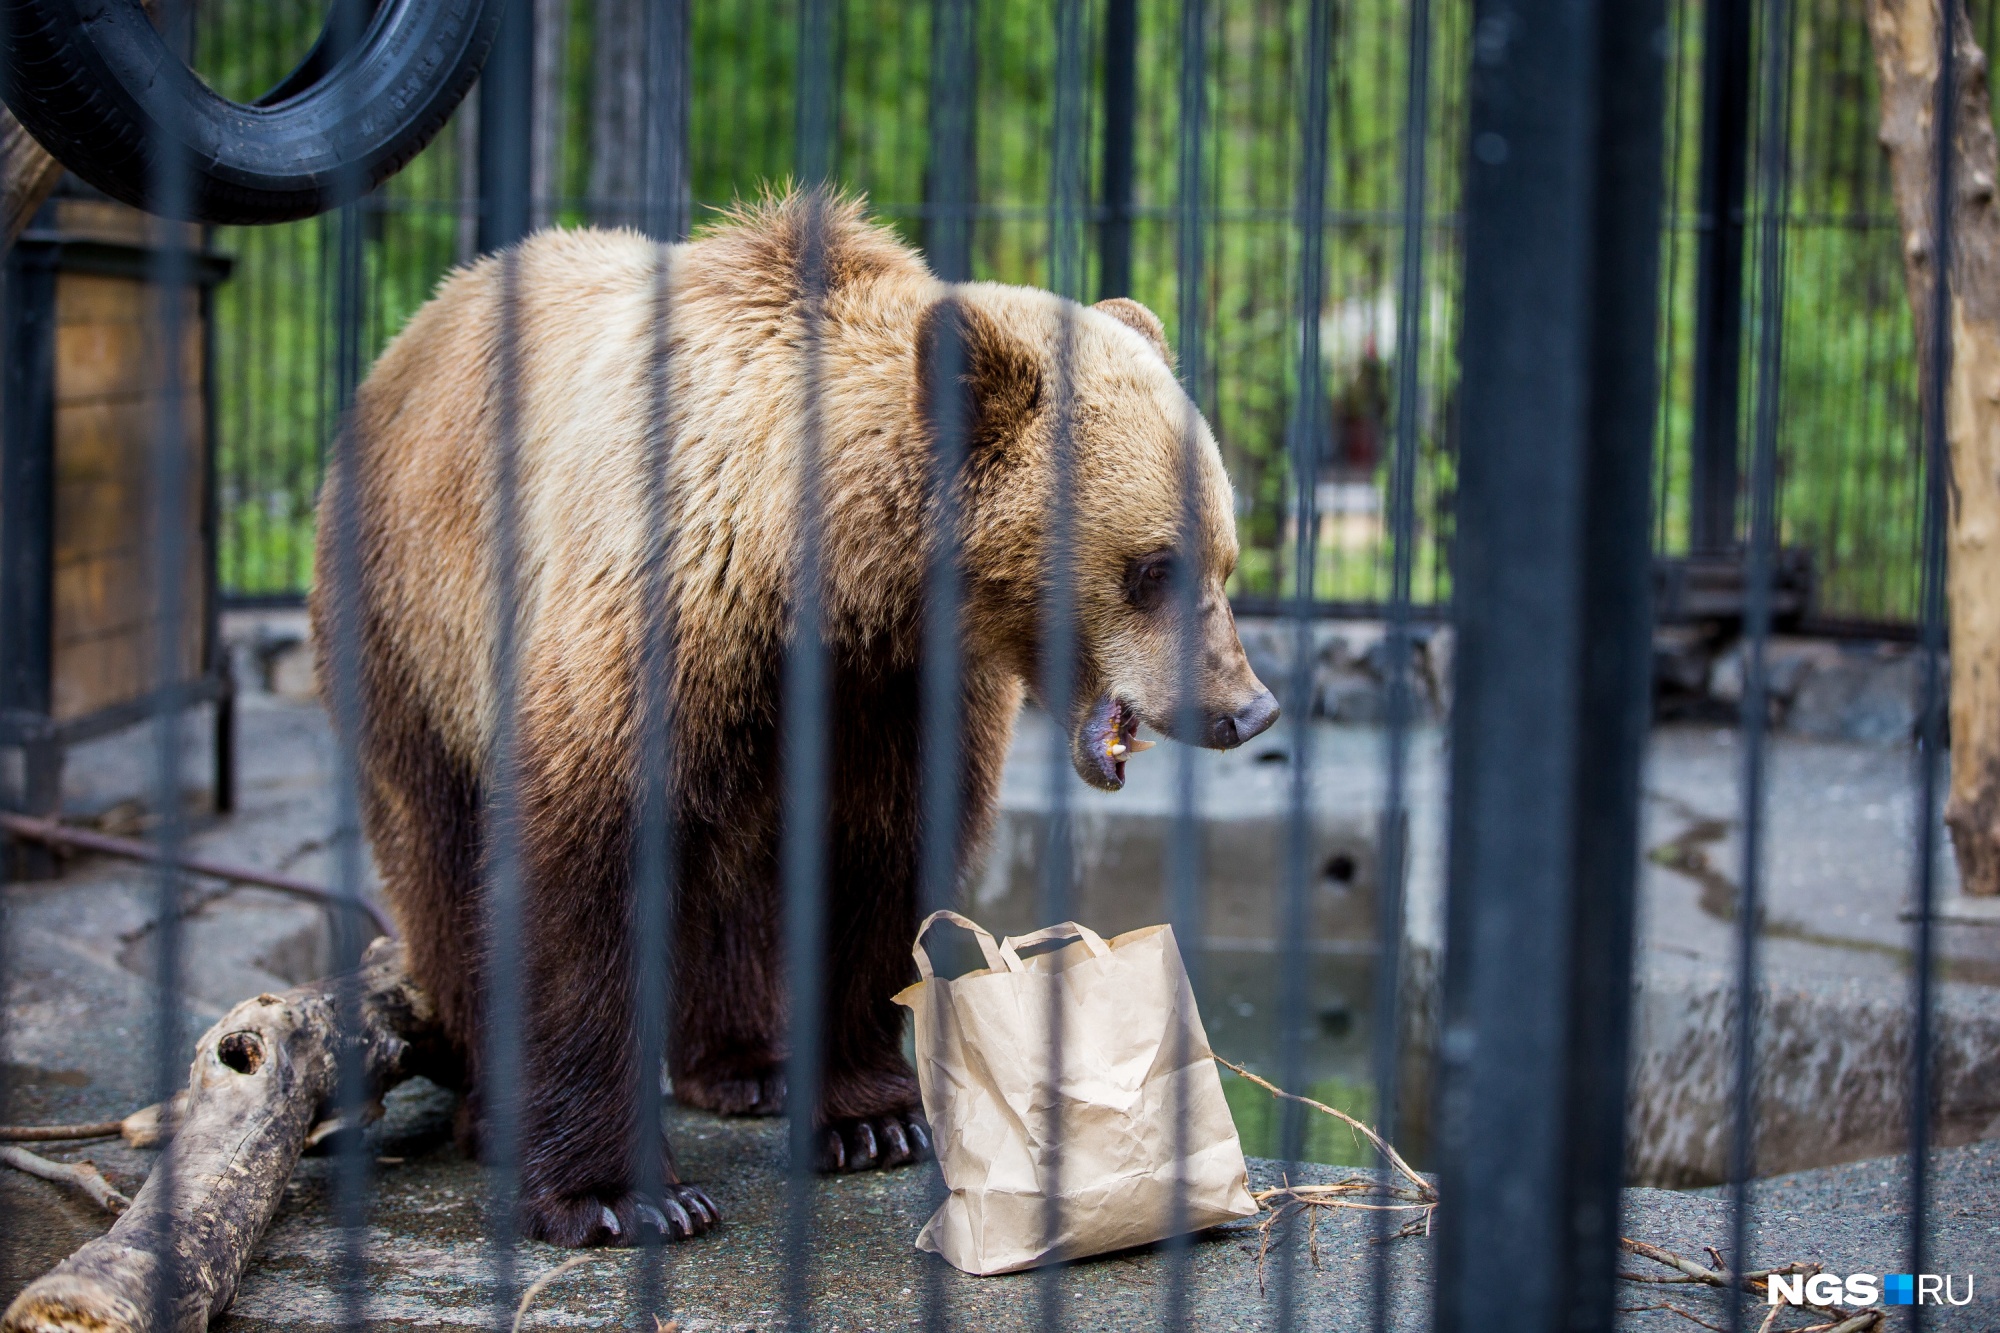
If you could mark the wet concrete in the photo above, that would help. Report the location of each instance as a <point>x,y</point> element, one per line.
<point>80,1001</point>
<point>429,1265</point>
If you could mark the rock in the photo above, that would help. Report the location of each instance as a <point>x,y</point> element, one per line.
<point>1350,667</point>
<point>1860,693</point>
<point>1682,655</point>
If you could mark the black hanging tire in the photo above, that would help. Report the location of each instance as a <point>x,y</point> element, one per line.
<point>98,86</point>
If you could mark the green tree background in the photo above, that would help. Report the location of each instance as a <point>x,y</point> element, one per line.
<point>1848,421</point>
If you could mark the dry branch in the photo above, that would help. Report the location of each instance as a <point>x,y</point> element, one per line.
<point>1756,1282</point>
<point>77,1175</point>
<point>96,1129</point>
<point>541,1284</point>
<point>57,834</point>
<point>258,1084</point>
<point>1373,1194</point>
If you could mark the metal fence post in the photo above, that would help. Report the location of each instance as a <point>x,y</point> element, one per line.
<point>1562,213</point>
<point>1718,300</point>
<point>506,130</point>
<point>1121,109</point>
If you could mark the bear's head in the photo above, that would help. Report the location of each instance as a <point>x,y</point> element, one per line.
<point>1083,401</point>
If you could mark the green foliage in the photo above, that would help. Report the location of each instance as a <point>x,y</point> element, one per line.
<point>1327,1140</point>
<point>1846,393</point>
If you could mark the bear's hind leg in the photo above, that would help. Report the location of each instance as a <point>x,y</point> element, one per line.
<point>729,1047</point>
<point>579,1091</point>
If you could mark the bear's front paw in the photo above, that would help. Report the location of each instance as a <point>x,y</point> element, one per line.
<point>578,1220</point>
<point>895,1138</point>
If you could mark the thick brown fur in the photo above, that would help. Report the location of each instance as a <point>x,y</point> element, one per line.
<point>418,480</point>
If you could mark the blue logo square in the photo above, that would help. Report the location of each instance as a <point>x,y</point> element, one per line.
<point>1899,1289</point>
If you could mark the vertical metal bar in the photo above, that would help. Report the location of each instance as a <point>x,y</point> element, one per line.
<point>10,357</point>
<point>502,1009</point>
<point>343,660</point>
<point>1930,750</point>
<point>27,530</point>
<point>1772,177</point>
<point>1718,318</point>
<point>1551,608</point>
<point>818,111</point>
<point>656,850</point>
<point>805,710</point>
<point>1184,843</point>
<point>954,142</point>
<point>214,655</point>
<point>1121,114</point>
<point>949,238</point>
<point>1070,151</point>
<point>1305,431</point>
<point>1192,151</point>
<point>1068,199</point>
<point>169,195</point>
<point>667,202</point>
<point>1677,20</point>
<point>506,129</point>
<point>1058,686</point>
<point>655,866</point>
<point>1393,839</point>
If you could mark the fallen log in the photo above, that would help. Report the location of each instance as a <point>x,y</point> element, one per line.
<point>261,1079</point>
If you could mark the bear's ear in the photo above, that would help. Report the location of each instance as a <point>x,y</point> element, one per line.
<point>999,373</point>
<point>1141,321</point>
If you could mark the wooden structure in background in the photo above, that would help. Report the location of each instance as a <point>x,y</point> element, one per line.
<point>80,417</point>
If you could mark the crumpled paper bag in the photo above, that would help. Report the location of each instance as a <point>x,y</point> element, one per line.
<point>1101,1137</point>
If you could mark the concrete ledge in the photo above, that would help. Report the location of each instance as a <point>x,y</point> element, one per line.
<point>1833,1080</point>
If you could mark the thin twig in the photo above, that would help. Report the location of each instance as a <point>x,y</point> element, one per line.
<point>96,1129</point>
<point>1671,1309</point>
<point>1841,1320</point>
<point>77,1175</point>
<point>535,1288</point>
<point>1389,1154</point>
<point>61,835</point>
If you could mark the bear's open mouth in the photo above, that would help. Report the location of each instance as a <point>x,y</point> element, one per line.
<point>1108,737</point>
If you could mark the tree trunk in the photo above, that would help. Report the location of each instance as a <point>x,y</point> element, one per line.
<point>1905,37</point>
<point>261,1078</point>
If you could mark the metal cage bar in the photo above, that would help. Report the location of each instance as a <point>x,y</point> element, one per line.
<point>1549,713</point>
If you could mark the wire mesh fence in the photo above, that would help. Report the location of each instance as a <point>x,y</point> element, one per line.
<point>675,604</point>
<point>1847,483</point>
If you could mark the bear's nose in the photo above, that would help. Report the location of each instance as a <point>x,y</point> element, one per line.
<point>1252,719</point>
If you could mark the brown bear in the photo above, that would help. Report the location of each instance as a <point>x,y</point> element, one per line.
<point>422,471</point>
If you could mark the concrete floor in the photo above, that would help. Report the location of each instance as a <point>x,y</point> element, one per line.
<point>80,999</point>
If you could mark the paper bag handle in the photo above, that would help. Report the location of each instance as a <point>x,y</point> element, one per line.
<point>994,958</point>
<point>1010,948</point>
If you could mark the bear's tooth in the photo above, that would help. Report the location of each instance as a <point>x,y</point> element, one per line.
<point>1135,745</point>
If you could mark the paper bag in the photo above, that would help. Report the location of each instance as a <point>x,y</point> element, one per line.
<point>1103,1138</point>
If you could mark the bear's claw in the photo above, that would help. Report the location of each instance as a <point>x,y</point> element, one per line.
<point>874,1142</point>
<point>580,1220</point>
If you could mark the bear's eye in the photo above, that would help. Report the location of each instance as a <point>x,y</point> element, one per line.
<point>1148,580</point>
